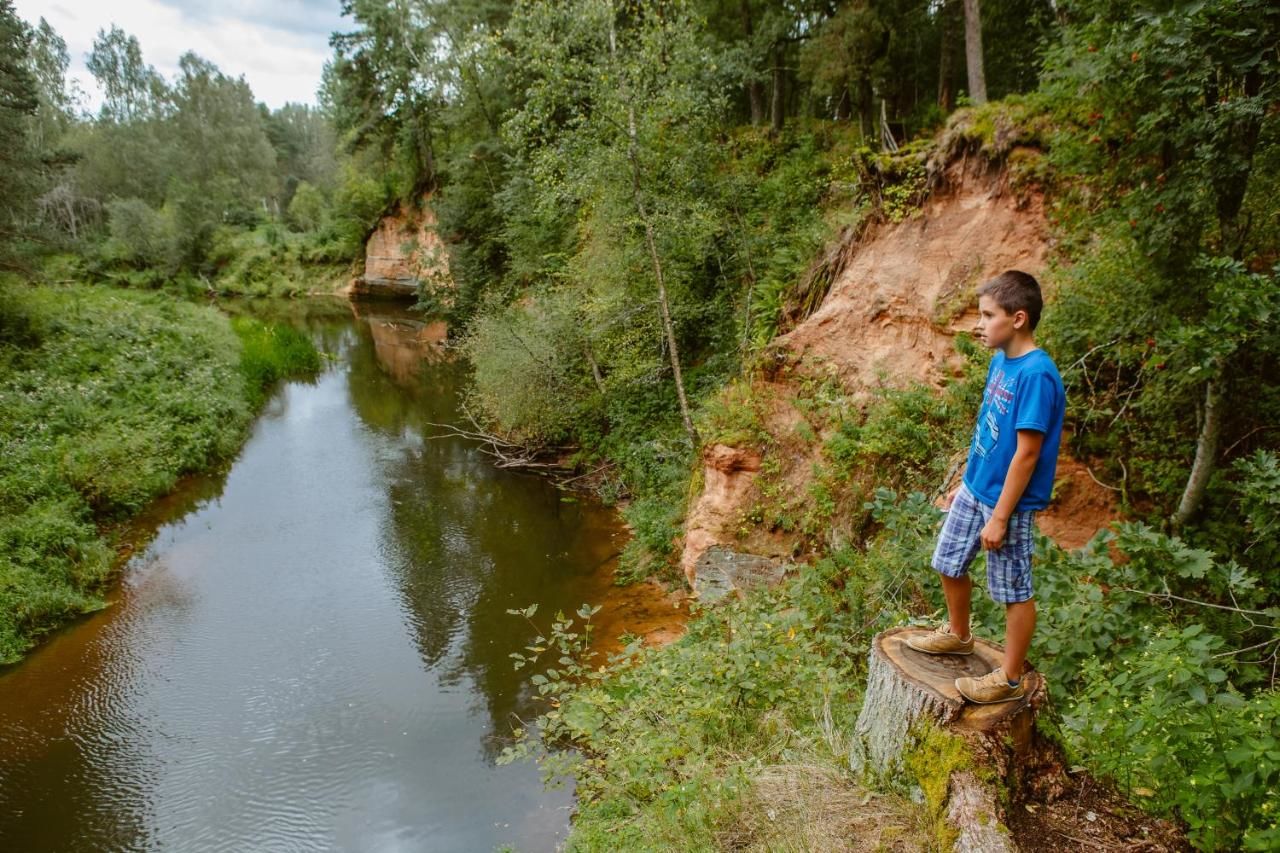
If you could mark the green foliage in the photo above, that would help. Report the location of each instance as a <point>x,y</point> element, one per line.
<point>909,434</point>
<point>140,235</point>
<point>307,208</point>
<point>1165,657</point>
<point>1259,493</point>
<point>734,417</point>
<point>758,682</point>
<point>18,161</point>
<point>270,261</point>
<point>169,163</point>
<point>107,399</point>
<point>788,198</point>
<point>358,202</point>
<point>528,373</point>
<point>1164,141</point>
<point>1165,724</point>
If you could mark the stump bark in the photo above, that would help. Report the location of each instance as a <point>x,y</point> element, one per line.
<point>906,687</point>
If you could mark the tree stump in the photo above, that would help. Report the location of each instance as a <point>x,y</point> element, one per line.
<point>906,687</point>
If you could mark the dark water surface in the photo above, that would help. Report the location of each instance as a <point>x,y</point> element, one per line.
<point>312,652</point>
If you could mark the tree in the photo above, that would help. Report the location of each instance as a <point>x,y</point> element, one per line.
<point>305,145</point>
<point>122,154</point>
<point>18,103</point>
<point>306,207</point>
<point>623,106</point>
<point>48,61</point>
<point>226,170</point>
<point>973,51</point>
<point>1172,109</point>
<point>131,89</point>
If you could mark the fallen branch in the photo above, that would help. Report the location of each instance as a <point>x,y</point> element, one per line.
<point>1099,482</point>
<point>1171,596</point>
<point>506,453</point>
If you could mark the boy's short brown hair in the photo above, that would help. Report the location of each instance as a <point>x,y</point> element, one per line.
<point>1014,291</point>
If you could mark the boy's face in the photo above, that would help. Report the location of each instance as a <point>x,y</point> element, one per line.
<point>996,327</point>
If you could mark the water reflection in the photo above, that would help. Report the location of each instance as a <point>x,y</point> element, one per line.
<point>313,652</point>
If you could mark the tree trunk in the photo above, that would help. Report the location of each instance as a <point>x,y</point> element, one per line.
<point>778,107</point>
<point>946,98</point>
<point>973,52</point>
<point>749,290</point>
<point>866,107</point>
<point>907,689</point>
<point>755,89</point>
<point>1206,453</point>
<point>664,307</point>
<point>595,368</point>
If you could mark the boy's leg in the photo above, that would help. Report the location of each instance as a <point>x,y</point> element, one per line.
<point>959,594</point>
<point>1009,581</point>
<point>1020,624</point>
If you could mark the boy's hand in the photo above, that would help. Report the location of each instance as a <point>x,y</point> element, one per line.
<point>993,533</point>
<point>944,501</point>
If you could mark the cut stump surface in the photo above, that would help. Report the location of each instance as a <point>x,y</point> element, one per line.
<point>937,674</point>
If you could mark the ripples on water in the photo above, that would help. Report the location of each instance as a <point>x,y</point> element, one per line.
<point>312,652</point>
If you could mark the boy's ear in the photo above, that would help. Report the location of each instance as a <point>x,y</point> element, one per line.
<point>1025,319</point>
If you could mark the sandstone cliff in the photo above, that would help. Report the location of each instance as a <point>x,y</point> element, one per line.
<point>404,253</point>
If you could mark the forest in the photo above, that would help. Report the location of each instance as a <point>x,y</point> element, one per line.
<point>637,198</point>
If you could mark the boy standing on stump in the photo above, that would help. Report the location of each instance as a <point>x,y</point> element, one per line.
<point>1008,478</point>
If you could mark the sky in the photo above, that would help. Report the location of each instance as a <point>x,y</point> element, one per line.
<point>280,46</point>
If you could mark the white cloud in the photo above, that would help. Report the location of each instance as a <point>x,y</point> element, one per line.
<point>280,47</point>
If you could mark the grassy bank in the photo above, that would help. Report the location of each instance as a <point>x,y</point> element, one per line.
<point>737,735</point>
<point>107,397</point>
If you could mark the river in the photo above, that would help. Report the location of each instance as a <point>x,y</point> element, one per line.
<point>310,650</point>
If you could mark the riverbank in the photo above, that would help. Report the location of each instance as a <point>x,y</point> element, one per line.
<point>107,398</point>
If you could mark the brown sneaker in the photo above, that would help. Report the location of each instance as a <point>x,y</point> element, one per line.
<point>941,641</point>
<point>990,688</point>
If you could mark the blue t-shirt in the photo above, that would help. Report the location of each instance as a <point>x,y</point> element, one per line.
<point>1021,393</point>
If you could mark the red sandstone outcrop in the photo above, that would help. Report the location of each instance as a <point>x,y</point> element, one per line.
<point>728,474</point>
<point>403,252</point>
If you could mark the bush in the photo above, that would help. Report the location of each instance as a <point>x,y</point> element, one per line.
<point>529,377</point>
<point>269,352</point>
<point>140,235</point>
<point>307,208</point>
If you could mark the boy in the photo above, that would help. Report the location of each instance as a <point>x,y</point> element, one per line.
<point>1007,479</point>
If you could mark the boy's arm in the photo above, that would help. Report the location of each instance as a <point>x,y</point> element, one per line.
<point>1021,467</point>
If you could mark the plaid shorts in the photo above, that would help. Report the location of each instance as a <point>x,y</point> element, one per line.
<point>1008,567</point>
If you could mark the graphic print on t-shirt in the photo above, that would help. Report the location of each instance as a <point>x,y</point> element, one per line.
<point>1020,393</point>
<point>998,394</point>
